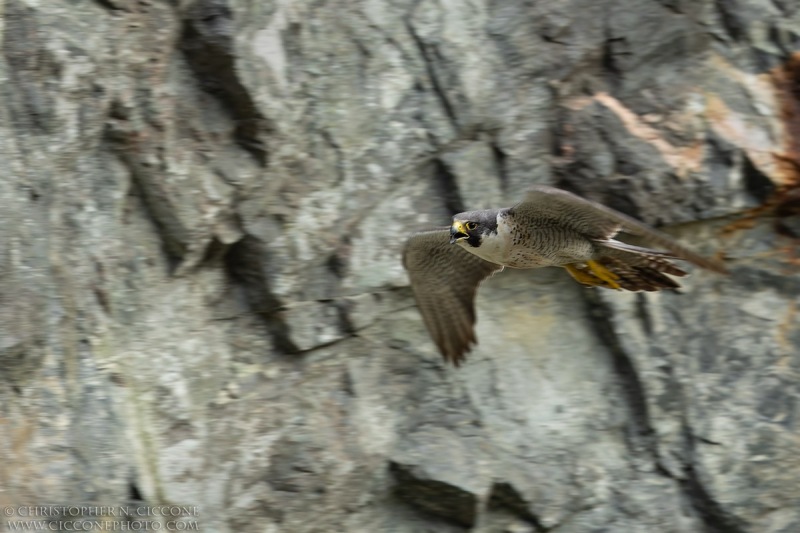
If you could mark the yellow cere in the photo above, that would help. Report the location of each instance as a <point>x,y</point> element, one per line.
<point>459,226</point>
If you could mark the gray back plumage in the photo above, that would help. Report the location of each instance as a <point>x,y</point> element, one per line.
<point>599,222</point>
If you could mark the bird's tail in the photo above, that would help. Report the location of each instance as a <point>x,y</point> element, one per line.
<point>640,269</point>
<point>649,276</point>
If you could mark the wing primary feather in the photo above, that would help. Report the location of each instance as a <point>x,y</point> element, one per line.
<point>444,280</point>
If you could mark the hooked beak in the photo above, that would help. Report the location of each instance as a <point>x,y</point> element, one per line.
<point>457,232</point>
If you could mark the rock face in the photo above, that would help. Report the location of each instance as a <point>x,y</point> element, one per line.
<point>201,295</point>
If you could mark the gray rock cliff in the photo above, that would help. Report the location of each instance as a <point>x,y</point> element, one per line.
<point>202,207</point>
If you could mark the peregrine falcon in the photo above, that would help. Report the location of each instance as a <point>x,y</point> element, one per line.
<point>550,227</point>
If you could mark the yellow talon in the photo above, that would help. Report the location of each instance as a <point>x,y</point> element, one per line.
<point>593,274</point>
<point>604,274</point>
<point>582,276</point>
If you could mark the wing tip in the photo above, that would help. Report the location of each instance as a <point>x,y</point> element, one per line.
<point>457,355</point>
<point>715,265</point>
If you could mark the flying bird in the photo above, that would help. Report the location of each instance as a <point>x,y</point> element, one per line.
<point>550,227</point>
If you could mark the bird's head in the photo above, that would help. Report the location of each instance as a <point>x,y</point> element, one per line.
<point>470,228</point>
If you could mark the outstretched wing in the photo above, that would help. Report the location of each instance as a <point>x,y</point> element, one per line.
<point>444,279</point>
<point>601,223</point>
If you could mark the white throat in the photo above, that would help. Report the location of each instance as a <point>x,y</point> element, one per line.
<point>494,247</point>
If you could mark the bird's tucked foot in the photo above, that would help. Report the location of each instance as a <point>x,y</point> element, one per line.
<point>580,276</point>
<point>604,274</point>
<point>593,274</point>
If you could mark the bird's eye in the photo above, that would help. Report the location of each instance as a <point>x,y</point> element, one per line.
<point>471,225</point>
